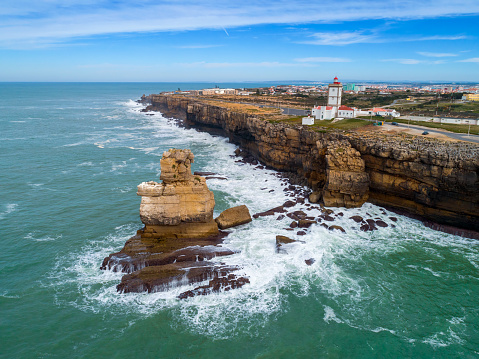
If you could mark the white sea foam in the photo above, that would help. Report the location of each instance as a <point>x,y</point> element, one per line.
<point>329,315</point>
<point>34,236</point>
<point>9,208</point>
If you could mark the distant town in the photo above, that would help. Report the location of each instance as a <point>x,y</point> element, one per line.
<point>438,103</point>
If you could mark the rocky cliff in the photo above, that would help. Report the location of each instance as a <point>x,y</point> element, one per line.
<point>433,179</point>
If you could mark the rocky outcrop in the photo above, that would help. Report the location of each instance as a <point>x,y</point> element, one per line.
<point>180,236</point>
<point>347,183</point>
<point>234,216</point>
<point>180,198</point>
<point>433,179</point>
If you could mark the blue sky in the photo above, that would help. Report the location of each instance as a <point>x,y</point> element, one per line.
<point>229,41</point>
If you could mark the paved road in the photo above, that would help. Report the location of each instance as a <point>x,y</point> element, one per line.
<point>456,136</point>
<point>295,112</point>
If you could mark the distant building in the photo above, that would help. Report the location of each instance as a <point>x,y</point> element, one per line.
<point>470,97</point>
<point>217,91</point>
<point>349,87</point>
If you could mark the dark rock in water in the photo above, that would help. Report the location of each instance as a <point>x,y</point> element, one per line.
<point>284,240</point>
<point>294,224</point>
<point>280,240</point>
<point>381,223</point>
<point>293,216</point>
<point>310,261</point>
<point>300,214</point>
<point>337,227</point>
<point>340,214</point>
<point>162,278</point>
<point>197,173</point>
<point>140,252</point>
<point>288,204</point>
<point>270,212</point>
<point>215,177</point>
<point>327,211</point>
<point>394,219</point>
<point>327,218</point>
<point>372,224</point>
<point>324,225</point>
<point>357,219</point>
<point>304,223</point>
<point>280,217</point>
<point>365,227</point>
<point>301,233</point>
<point>216,285</point>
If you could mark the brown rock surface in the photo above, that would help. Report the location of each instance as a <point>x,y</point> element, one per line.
<point>181,197</point>
<point>347,183</point>
<point>234,216</point>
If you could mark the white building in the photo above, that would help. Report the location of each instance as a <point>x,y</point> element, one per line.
<point>384,112</point>
<point>347,112</point>
<point>308,121</point>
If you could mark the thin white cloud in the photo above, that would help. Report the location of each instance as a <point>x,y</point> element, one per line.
<point>372,36</point>
<point>473,59</point>
<point>404,61</point>
<point>26,23</point>
<point>438,37</point>
<point>322,59</point>
<point>340,38</point>
<point>415,61</point>
<point>436,54</point>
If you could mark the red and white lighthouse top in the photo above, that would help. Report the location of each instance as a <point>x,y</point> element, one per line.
<point>336,80</point>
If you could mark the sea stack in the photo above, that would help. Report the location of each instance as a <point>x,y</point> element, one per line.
<point>179,238</point>
<point>182,205</point>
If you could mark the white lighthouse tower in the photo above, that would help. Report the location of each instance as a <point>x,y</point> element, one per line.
<point>335,91</point>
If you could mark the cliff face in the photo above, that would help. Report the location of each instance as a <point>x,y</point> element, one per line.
<point>434,179</point>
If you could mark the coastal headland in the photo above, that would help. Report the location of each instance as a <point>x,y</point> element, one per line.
<point>428,178</point>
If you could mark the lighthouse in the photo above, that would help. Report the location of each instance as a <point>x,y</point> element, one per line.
<point>335,91</point>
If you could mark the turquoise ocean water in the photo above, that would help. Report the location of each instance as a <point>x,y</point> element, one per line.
<point>71,156</point>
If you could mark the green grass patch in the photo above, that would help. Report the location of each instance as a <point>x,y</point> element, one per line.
<point>346,124</point>
<point>321,126</point>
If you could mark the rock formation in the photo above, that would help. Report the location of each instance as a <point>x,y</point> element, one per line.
<point>347,183</point>
<point>179,237</point>
<point>234,216</point>
<point>182,205</point>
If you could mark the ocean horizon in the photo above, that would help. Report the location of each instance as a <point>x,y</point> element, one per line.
<point>71,157</point>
